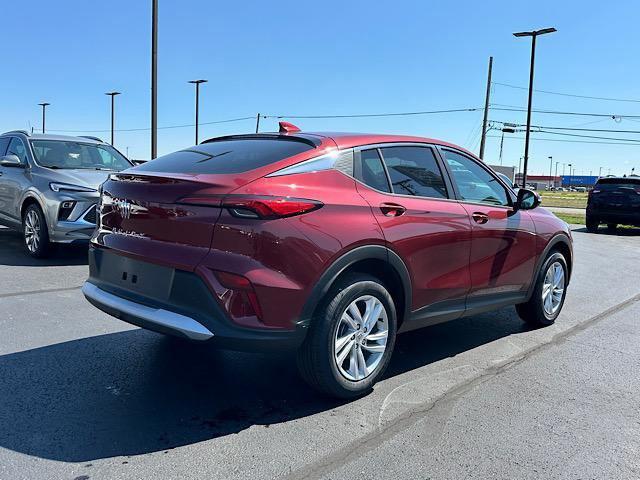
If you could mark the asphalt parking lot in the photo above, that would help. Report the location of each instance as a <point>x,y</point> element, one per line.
<point>83,395</point>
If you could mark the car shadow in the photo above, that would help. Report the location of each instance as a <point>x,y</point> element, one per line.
<point>136,392</point>
<point>620,231</point>
<point>12,253</point>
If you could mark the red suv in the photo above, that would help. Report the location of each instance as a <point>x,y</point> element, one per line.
<point>328,243</point>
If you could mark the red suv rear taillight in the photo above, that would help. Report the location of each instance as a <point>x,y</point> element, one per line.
<point>257,206</point>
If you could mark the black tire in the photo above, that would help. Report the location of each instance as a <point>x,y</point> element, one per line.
<point>592,224</point>
<point>533,311</point>
<point>316,360</point>
<point>612,227</point>
<point>32,218</point>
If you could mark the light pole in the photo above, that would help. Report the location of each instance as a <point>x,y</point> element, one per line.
<point>520,171</point>
<point>600,172</point>
<point>505,129</point>
<point>197,84</point>
<point>154,79</point>
<point>556,174</point>
<point>113,112</point>
<point>550,169</point>
<point>44,109</point>
<point>533,34</point>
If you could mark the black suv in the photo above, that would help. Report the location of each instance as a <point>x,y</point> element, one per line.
<point>614,200</point>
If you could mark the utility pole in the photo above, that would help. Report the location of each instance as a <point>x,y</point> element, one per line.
<point>154,79</point>
<point>533,34</point>
<point>486,111</point>
<point>113,115</point>
<point>44,116</point>
<point>257,123</point>
<point>197,84</point>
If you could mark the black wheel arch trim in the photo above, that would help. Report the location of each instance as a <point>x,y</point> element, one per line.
<point>366,252</point>
<point>557,239</point>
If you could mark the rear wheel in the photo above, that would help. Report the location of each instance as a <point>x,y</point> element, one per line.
<point>592,224</point>
<point>547,299</point>
<point>351,339</point>
<point>35,232</point>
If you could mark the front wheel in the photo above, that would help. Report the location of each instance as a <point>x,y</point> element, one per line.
<point>351,339</point>
<point>612,227</point>
<point>548,296</point>
<point>35,233</point>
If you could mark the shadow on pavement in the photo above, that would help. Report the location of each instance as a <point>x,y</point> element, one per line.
<point>12,253</point>
<point>620,231</point>
<point>136,392</point>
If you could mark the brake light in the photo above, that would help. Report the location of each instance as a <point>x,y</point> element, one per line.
<point>269,207</point>
<point>256,206</point>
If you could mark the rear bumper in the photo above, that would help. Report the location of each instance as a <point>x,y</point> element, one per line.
<point>182,307</point>
<point>607,216</point>
<point>143,316</point>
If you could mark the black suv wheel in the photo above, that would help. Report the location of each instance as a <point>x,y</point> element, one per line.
<point>592,224</point>
<point>351,339</point>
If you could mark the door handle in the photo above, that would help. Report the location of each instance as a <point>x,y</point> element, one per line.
<point>480,217</point>
<point>392,209</point>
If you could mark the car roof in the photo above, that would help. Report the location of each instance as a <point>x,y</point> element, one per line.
<point>47,136</point>
<point>344,139</point>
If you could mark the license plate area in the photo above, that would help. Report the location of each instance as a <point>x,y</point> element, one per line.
<point>143,278</point>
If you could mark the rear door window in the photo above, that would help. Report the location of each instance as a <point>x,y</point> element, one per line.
<point>414,171</point>
<point>227,156</point>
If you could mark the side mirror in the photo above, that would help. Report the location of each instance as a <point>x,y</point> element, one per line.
<point>527,199</point>
<point>11,161</point>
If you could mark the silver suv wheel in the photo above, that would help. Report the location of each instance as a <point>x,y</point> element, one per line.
<point>361,338</point>
<point>32,231</point>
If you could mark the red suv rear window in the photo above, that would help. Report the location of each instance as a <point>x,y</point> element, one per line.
<point>226,156</point>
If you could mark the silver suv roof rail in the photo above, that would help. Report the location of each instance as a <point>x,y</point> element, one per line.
<point>92,138</point>
<point>24,132</point>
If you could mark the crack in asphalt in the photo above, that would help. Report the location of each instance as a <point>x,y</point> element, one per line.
<point>35,292</point>
<point>373,440</point>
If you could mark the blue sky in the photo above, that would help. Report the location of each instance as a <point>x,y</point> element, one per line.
<point>330,57</point>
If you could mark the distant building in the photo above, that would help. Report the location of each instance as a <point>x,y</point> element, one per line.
<point>540,182</point>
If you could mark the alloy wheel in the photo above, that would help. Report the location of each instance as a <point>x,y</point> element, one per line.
<point>361,338</point>
<point>32,231</point>
<point>553,288</point>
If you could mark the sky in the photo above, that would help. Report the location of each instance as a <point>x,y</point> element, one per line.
<point>329,58</point>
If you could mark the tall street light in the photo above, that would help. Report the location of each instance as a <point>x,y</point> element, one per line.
<point>550,170</point>
<point>533,34</point>
<point>44,109</point>
<point>197,84</point>
<point>113,111</point>
<point>154,79</point>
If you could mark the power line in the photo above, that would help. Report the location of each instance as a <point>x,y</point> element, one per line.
<point>589,136</point>
<point>368,115</point>
<point>159,128</point>
<point>534,139</point>
<point>604,130</point>
<point>610,99</point>
<point>511,108</point>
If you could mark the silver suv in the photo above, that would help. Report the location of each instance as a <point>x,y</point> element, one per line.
<point>49,186</point>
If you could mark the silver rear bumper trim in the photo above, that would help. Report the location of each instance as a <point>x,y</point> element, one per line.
<point>187,326</point>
